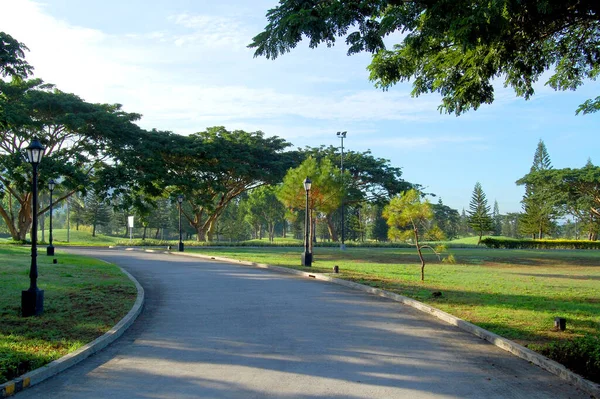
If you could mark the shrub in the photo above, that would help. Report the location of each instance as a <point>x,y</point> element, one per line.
<point>492,242</point>
<point>581,355</point>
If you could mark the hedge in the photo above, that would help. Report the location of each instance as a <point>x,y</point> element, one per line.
<point>504,243</point>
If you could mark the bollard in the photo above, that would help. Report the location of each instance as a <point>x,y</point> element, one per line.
<point>336,269</point>
<point>560,323</point>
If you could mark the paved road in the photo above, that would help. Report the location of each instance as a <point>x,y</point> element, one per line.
<point>214,330</point>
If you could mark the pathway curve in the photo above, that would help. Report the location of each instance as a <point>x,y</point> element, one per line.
<point>215,330</point>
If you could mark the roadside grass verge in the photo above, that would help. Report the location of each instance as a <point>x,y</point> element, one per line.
<point>84,298</point>
<point>514,293</point>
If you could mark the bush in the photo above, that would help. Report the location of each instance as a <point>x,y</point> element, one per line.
<point>581,355</point>
<point>504,243</point>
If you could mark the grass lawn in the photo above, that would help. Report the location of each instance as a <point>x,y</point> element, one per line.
<point>514,293</point>
<point>84,298</point>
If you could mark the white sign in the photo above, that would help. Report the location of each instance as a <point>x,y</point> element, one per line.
<point>130,221</point>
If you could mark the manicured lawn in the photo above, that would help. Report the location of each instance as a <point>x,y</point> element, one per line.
<point>515,293</point>
<point>84,298</point>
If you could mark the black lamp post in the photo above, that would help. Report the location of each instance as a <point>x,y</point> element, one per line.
<point>50,249</point>
<point>180,200</point>
<point>32,300</point>
<point>307,255</point>
<point>342,135</point>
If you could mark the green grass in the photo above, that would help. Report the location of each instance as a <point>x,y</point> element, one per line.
<point>84,298</point>
<point>514,293</point>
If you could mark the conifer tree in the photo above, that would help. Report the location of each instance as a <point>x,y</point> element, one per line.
<point>479,212</point>
<point>540,204</point>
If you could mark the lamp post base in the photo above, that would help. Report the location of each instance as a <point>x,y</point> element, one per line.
<point>50,250</point>
<point>181,247</point>
<point>32,302</point>
<point>307,259</point>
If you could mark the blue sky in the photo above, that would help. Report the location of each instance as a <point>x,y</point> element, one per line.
<point>184,65</point>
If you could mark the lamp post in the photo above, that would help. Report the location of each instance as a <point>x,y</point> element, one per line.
<point>342,135</point>
<point>50,249</point>
<point>32,300</point>
<point>307,255</point>
<point>180,200</point>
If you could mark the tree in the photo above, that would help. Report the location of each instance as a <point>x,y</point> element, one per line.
<point>214,167</point>
<point>579,193</point>
<point>379,227</point>
<point>325,193</point>
<point>262,202</point>
<point>455,48</point>
<point>96,211</point>
<point>540,202</point>
<point>12,58</point>
<point>447,219</point>
<point>408,217</point>
<point>497,217</point>
<point>80,139</point>
<point>479,212</point>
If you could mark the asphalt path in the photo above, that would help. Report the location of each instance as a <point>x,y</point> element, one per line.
<point>215,330</point>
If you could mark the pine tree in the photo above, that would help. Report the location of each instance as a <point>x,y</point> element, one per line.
<point>479,212</point>
<point>497,219</point>
<point>539,203</point>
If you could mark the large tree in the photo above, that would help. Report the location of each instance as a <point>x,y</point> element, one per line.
<point>80,138</point>
<point>213,167</point>
<point>455,48</point>
<point>479,212</point>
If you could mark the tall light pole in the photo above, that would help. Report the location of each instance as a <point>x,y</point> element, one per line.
<point>180,200</point>
<point>50,249</point>
<point>32,300</point>
<point>342,135</point>
<point>307,255</point>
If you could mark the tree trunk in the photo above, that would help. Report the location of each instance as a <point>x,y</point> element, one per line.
<point>331,228</point>
<point>144,233</point>
<point>94,229</point>
<point>416,231</point>
<point>157,233</point>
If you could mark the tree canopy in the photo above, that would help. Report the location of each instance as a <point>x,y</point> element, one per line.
<point>455,48</point>
<point>12,57</point>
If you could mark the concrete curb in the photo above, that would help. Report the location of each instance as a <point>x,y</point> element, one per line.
<point>518,350</point>
<point>59,365</point>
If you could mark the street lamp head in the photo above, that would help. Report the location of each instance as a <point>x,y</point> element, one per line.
<point>35,152</point>
<point>180,199</point>
<point>51,184</point>
<point>307,184</point>
<point>342,134</point>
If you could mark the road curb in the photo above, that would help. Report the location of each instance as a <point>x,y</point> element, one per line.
<point>51,369</point>
<point>518,350</point>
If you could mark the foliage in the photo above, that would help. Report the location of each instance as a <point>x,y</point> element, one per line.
<point>447,219</point>
<point>263,204</point>
<point>581,355</point>
<point>79,137</point>
<point>540,202</point>
<point>12,58</point>
<point>479,212</point>
<point>325,195</point>
<point>408,219</point>
<point>455,48</point>
<point>215,166</point>
<point>494,242</point>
